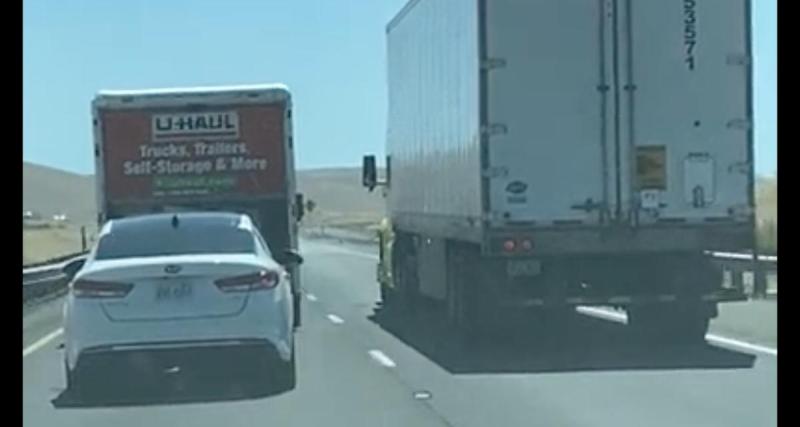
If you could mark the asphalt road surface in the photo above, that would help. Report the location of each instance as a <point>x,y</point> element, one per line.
<point>360,366</point>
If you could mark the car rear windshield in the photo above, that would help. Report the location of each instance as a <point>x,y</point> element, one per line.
<point>161,241</point>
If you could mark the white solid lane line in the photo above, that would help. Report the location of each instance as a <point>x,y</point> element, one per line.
<point>311,297</point>
<point>741,344</point>
<point>335,319</point>
<point>605,314</point>
<point>382,358</point>
<point>42,342</point>
<point>622,318</point>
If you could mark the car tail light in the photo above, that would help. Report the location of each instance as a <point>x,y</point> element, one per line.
<point>100,289</point>
<point>509,245</point>
<point>249,282</point>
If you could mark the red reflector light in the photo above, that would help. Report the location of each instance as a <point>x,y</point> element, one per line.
<point>97,289</point>
<point>249,282</point>
<point>527,245</point>
<point>509,245</point>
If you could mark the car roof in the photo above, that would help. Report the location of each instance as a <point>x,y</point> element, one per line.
<point>190,220</point>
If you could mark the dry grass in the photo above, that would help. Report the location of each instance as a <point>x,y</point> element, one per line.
<point>42,244</point>
<point>767,214</point>
<point>49,191</point>
<point>340,199</point>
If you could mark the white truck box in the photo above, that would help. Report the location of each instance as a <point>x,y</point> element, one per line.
<point>572,115</point>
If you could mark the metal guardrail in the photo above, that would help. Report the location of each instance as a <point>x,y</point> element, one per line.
<point>49,263</point>
<point>45,279</point>
<point>737,265</point>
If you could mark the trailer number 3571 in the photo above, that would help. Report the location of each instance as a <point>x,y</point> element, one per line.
<point>690,31</point>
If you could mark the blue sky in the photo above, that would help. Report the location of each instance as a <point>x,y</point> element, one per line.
<point>330,52</point>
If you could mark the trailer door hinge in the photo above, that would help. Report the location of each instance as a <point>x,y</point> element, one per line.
<point>588,205</point>
<point>740,167</point>
<point>494,129</point>
<point>737,59</point>
<point>741,124</point>
<point>492,216</point>
<point>495,172</point>
<point>492,63</point>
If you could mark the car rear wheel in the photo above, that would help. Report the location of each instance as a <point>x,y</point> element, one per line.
<point>405,277</point>
<point>274,375</point>
<point>469,298</point>
<point>69,376</point>
<point>285,376</point>
<point>76,384</point>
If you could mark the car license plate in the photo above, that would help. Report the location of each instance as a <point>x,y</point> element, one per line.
<point>173,291</point>
<point>524,267</point>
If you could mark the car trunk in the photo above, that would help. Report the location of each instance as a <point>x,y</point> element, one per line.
<point>174,287</point>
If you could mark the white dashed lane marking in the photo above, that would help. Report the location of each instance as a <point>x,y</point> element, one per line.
<point>335,319</point>
<point>381,358</point>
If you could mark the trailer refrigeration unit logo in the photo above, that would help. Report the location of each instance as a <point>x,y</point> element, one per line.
<point>690,31</point>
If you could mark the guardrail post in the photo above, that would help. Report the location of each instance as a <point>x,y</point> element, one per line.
<point>83,238</point>
<point>759,278</point>
<point>737,278</point>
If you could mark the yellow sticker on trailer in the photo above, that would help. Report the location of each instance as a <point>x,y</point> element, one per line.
<point>651,167</point>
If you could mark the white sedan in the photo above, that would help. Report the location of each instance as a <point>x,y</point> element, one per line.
<point>160,292</point>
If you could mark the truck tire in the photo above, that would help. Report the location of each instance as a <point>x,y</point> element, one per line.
<point>386,296</point>
<point>454,296</point>
<point>469,299</point>
<point>297,300</point>
<point>405,276</point>
<point>676,324</point>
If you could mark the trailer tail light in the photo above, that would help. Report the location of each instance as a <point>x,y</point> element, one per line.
<point>527,245</point>
<point>100,289</point>
<point>249,282</point>
<point>513,245</point>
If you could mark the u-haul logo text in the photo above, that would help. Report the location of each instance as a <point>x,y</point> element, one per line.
<point>192,126</point>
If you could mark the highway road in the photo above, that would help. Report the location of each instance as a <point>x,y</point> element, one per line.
<point>360,366</point>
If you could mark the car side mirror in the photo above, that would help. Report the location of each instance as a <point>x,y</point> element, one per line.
<point>369,173</point>
<point>73,267</point>
<point>290,257</point>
